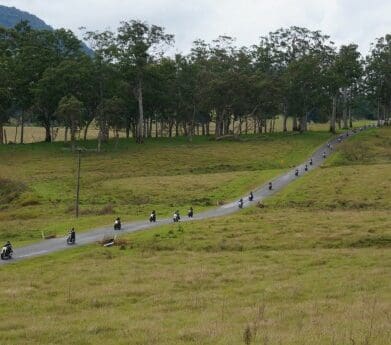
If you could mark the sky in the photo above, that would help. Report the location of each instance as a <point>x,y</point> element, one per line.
<point>346,21</point>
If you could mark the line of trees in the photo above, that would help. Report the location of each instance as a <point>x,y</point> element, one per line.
<point>129,84</point>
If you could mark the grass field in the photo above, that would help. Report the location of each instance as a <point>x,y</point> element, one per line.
<point>311,267</point>
<point>38,181</point>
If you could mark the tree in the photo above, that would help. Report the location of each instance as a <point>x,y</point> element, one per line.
<point>378,77</point>
<point>6,80</point>
<point>70,110</point>
<point>136,42</point>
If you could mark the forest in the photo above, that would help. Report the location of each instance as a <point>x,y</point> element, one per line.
<point>133,84</point>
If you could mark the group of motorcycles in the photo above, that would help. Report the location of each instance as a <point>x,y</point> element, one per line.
<point>152,218</point>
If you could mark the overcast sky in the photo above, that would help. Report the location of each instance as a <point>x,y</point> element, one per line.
<point>358,21</point>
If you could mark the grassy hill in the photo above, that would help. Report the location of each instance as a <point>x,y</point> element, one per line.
<point>38,181</point>
<point>311,267</point>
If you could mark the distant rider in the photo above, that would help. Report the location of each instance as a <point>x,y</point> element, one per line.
<point>190,213</point>
<point>152,217</point>
<point>72,235</point>
<point>270,186</point>
<point>297,172</point>
<point>117,224</point>
<point>251,196</point>
<point>8,247</point>
<point>241,203</point>
<point>176,217</point>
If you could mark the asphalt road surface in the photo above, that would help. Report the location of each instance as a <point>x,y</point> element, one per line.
<point>57,244</point>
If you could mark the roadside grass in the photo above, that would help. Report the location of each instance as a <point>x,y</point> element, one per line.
<point>130,180</point>
<point>287,273</point>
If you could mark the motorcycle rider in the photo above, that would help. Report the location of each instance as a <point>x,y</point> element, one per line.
<point>324,155</point>
<point>251,196</point>
<point>240,203</point>
<point>117,224</point>
<point>72,236</point>
<point>176,217</point>
<point>152,217</point>
<point>8,248</point>
<point>190,213</point>
<point>306,168</point>
<point>311,161</point>
<point>270,186</point>
<point>297,172</point>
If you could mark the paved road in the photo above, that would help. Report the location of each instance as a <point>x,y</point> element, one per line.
<point>57,244</point>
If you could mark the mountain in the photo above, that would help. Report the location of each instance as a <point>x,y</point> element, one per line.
<point>10,16</point>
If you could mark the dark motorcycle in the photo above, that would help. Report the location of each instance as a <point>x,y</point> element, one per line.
<point>176,218</point>
<point>71,240</point>
<point>6,253</point>
<point>117,224</point>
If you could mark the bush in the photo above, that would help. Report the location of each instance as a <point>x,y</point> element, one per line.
<point>10,190</point>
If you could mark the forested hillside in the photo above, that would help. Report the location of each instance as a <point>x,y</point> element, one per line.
<point>10,16</point>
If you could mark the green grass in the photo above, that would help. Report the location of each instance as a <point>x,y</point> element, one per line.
<point>288,273</point>
<point>131,180</point>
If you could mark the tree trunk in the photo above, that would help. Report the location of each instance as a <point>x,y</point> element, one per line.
<point>176,128</point>
<point>170,126</point>
<point>1,134</point>
<point>86,129</point>
<point>150,128</point>
<point>378,112</point>
<point>140,124</point>
<point>333,115</point>
<point>295,127</point>
<point>345,110</point>
<point>73,137</point>
<point>66,134</point>
<point>246,125</point>
<point>48,135</point>
<point>22,128</point>
<point>350,117</point>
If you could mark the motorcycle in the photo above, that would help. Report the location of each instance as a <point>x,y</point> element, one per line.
<point>176,218</point>
<point>6,253</point>
<point>240,203</point>
<point>70,240</point>
<point>117,225</point>
<point>152,218</point>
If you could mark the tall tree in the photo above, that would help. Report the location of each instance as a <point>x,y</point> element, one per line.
<point>137,44</point>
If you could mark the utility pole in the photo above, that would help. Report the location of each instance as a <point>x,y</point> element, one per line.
<point>78,182</point>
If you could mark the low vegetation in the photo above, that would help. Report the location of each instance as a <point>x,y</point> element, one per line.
<point>287,273</point>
